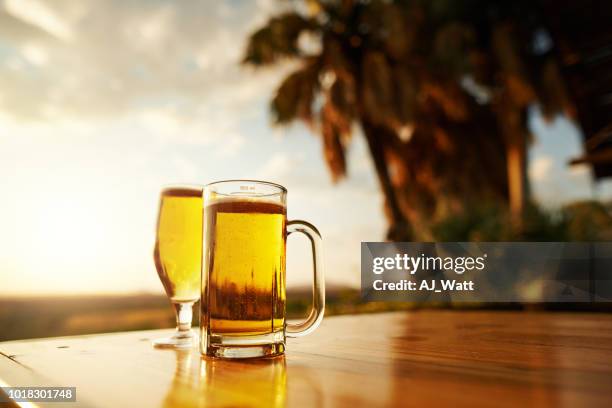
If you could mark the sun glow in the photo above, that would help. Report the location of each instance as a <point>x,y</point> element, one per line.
<point>64,238</point>
<point>67,229</point>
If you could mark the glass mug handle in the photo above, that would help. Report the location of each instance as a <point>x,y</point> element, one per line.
<point>318,291</point>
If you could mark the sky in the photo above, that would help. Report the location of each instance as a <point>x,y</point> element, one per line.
<point>103,103</point>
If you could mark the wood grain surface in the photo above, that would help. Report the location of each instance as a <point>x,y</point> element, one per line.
<point>423,358</point>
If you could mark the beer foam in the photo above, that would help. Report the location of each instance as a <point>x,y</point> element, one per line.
<point>250,205</point>
<point>238,199</point>
<point>182,191</point>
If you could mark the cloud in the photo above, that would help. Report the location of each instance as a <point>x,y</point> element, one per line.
<point>185,169</point>
<point>35,54</point>
<point>280,166</point>
<point>121,58</point>
<point>540,168</point>
<point>231,145</point>
<point>16,30</point>
<point>39,14</point>
<point>580,171</point>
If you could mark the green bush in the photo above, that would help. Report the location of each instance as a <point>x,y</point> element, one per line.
<point>579,221</point>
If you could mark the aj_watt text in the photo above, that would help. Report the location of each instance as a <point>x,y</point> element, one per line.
<point>431,285</point>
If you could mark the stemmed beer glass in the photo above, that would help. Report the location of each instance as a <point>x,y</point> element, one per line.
<point>178,257</point>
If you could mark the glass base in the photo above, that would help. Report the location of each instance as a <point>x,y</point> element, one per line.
<point>265,345</point>
<point>263,350</point>
<point>178,341</point>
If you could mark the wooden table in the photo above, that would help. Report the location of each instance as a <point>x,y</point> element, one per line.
<point>424,358</point>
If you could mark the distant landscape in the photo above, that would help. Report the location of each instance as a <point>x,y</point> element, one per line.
<point>34,317</point>
<point>52,316</point>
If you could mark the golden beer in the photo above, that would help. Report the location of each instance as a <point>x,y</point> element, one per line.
<point>246,280</point>
<point>178,247</point>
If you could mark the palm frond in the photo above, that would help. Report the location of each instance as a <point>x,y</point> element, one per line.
<point>451,49</point>
<point>278,39</point>
<point>335,59</point>
<point>513,72</point>
<point>448,97</point>
<point>341,103</point>
<point>406,92</point>
<point>377,88</point>
<point>399,36</point>
<point>333,146</point>
<point>295,96</point>
<point>552,93</point>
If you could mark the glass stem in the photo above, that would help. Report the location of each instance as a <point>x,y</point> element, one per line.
<point>184,315</point>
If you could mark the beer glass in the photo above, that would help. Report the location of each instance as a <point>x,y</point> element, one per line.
<point>243,271</point>
<point>178,257</point>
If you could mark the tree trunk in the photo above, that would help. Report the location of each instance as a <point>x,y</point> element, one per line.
<point>399,228</point>
<point>517,178</point>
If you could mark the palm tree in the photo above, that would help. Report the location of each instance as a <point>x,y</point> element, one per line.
<point>439,89</point>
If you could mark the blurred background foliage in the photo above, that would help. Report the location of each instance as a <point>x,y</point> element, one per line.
<point>440,90</point>
<point>579,221</point>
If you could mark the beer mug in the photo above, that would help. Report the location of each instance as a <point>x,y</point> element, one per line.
<point>243,271</point>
